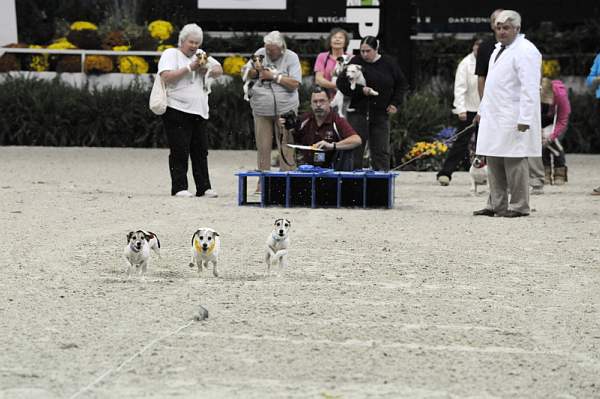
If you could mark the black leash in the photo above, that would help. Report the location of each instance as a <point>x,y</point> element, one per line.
<point>277,129</point>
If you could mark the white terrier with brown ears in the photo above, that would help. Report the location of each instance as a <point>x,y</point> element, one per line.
<point>206,245</point>
<point>478,172</point>
<point>278,244</point>
<point>137,251</point>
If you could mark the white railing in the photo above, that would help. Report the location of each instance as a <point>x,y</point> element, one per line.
<point>84,53</point>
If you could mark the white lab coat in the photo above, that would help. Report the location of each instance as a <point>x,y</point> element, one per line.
<point>466,96</point>
<point>511,97</point>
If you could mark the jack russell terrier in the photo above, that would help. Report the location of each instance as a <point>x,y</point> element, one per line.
<point>205,249</point>
<point>356,77</point>
<point>478,173</point>
<point>278,244</point>
<point>137,251</point>
<point>338,100</point>
<point>207,81</point>
<point>256,62</point>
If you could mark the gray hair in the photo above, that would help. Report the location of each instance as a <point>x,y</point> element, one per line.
<point>509,16</point>
<point>190,30</point>
<point>494,16</point>
<point>275,38</point>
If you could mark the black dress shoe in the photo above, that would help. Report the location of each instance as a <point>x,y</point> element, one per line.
<point>484,212</point>
<point>514,214</point>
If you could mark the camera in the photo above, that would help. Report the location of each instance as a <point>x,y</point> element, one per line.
<point>290,120</point>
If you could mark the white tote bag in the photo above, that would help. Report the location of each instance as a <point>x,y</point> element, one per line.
<point>158,96</point>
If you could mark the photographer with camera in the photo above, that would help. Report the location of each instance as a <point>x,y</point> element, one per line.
<point>274,93</point>
<point>323,130</point>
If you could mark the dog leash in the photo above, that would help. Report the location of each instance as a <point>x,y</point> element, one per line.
<point>139,353</point>
<point>448,140</point>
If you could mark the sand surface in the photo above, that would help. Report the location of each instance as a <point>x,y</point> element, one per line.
<point>421,301</point>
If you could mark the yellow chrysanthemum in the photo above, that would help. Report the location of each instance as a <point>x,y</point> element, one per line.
<point>39,63</point>
<point>121,48</point>
<point>306,67</point>
<point>424,148</point>
<point>83,25</point>
<point>98,63</point>
<point>133,64</point>
<point>61,44</point>
<point>233,65</point>
<point>550,68</point>
<point>160,29</point>
<point>163,47</point>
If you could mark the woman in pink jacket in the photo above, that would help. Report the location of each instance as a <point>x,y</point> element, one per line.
<point>555,118</point>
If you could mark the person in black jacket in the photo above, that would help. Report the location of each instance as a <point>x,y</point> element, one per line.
<point>369,115</point>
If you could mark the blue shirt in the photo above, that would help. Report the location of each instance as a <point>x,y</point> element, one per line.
<point>594,73</point>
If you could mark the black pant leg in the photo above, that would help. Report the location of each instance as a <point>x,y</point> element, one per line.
<point>359,123</point>
<point>459,152</point>
<point>199,155</point>
<point>379,141</point>
<point>178,137</point>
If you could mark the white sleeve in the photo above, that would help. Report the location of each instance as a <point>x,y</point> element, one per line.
<point>294,69</point>
<point>529,66</point>
<point>212,62</point>
<point>168,60</point>
<point>460,88</point>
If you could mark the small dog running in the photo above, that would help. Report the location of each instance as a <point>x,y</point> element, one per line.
<point>478,173</point>
<point>256,62</point>
<point>205,249</point>
<point>137,250</point>
<point>278,243</point>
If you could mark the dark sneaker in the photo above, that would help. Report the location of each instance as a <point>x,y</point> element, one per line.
<point>514,214</point>
<point>484,212</point>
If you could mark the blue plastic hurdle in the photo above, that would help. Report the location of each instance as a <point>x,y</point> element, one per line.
<point>317,187</point>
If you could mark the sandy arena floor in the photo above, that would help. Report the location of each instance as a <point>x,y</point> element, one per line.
<point>422,301</point>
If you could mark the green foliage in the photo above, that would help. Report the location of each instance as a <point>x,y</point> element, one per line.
<point>583,131</point>
<point>52,113</point>
<point>424,114</point>
<point>231,125</point>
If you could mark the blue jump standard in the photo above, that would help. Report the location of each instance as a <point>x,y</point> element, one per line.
<point>316,187</point>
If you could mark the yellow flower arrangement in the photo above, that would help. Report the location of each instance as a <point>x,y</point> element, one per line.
<point>83,25</point>
<point>98,63</point>
<point>121,48</point>
<point>133,64</point>
<point>233,65</point>
<point>163,47</point>
<point>306,68</point>
<point>550,68</point>
<point>160,29</point>
<point>424,148</point>
<point>61,44</point>
<point>39,63</point>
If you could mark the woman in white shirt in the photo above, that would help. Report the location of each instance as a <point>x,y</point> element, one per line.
<point>466,104</point>
<point>185,77</point>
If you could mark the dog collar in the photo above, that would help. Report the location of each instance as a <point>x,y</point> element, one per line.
<point>276,237</point>
<point>211,247</point>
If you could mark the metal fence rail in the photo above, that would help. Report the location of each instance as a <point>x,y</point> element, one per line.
<point>85,53</point>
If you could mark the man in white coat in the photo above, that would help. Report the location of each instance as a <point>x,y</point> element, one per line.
<point>509,118</point>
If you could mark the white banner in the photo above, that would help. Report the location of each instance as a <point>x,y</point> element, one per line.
<point>8,22</point>
<point>243,4</point>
